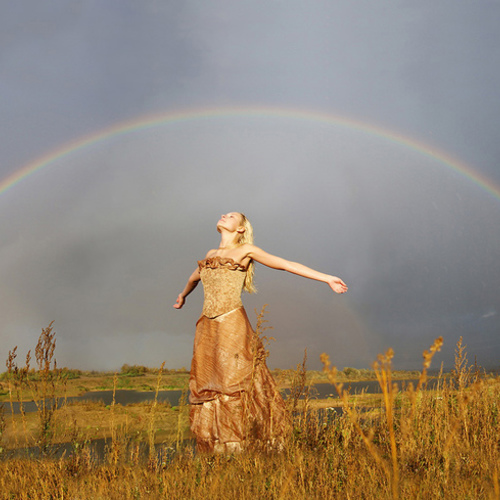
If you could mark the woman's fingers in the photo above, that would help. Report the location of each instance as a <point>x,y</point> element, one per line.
<point>179,302</point>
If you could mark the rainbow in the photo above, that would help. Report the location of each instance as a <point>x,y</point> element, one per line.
<point>155,120</point>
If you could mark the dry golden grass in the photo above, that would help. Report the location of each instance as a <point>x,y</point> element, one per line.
<point>86,421</point>
<point>414,443</point>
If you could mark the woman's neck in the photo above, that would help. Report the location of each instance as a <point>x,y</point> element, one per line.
<point>227,241</point>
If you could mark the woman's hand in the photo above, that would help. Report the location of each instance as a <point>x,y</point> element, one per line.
<point>179,302</point>
<point>190,286</point>
<point>336,284</point>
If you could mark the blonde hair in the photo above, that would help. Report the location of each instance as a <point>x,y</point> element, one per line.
<point>247,237</point>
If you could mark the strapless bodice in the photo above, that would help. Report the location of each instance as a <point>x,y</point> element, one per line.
<point>222,280</point>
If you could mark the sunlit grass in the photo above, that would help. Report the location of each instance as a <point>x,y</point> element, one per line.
<point>411,443</point>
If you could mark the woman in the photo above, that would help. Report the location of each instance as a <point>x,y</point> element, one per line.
<point>232,393</point>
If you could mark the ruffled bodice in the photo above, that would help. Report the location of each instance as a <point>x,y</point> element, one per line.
<point>223,281</point>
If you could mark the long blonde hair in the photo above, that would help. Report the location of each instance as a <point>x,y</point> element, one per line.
<point>247,237</point>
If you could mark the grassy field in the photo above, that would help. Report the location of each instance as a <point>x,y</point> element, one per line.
<point>414,443</point>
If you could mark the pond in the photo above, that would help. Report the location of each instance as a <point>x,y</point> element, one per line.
<point>125,397</point>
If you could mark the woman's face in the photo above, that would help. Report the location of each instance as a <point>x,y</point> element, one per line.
<point>230,221</point>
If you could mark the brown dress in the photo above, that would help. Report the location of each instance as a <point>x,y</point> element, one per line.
<point>232,393</point>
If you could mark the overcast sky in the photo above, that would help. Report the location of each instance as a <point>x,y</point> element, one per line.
<point>102,240</point>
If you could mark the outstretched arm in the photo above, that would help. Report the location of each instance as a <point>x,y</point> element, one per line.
<point>190,286</point>
<point>257,254</point>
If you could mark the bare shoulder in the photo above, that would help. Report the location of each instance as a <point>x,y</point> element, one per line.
<point>211,253</point>
<point>252,250</point>
<point>247,249</point>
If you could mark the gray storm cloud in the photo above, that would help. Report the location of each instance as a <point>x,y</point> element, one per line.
<point>102,240</point>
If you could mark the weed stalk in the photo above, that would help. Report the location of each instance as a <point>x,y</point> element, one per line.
<point>151,428</point>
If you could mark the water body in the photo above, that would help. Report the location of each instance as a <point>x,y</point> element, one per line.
<point>125,397</point>
<point>323,391</point>
<point>122,397</point>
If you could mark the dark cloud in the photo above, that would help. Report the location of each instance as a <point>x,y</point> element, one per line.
<point>103,239</point>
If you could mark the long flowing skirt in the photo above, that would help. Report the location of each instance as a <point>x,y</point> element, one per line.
<point>233,395</point>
